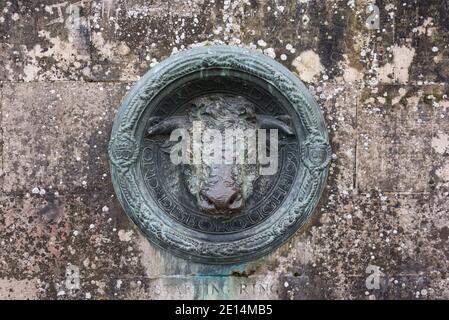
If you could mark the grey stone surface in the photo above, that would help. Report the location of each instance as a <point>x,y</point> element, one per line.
<point>396,126</point>
<point>55,134</point>
<point>384,94</point>
<point>45,40</point>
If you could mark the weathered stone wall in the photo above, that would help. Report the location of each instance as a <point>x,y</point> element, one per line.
<point>65,66</point>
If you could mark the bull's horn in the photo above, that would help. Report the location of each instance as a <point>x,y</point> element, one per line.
<point>280,123</point>
<point>166,126</point>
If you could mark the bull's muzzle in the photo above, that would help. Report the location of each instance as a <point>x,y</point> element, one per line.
<point>221,201</point>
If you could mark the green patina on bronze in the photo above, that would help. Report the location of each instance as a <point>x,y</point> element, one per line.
<point>311,164</point>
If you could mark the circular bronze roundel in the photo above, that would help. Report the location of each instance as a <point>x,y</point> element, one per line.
<point>219,154</point>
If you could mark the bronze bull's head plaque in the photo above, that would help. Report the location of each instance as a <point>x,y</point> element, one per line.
<point>219,154</point>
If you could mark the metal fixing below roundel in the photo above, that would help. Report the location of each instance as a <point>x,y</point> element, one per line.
<point>219,154</point>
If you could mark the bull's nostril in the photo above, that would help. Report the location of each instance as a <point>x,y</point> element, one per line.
<point>206,200</point>
<point>205,204</point>
<point>235,201</point>
<point>220,203</point>
<point>234,198</point>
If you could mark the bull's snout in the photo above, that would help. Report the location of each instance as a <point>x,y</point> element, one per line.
<point>221,194</point>
<point>221,201</point>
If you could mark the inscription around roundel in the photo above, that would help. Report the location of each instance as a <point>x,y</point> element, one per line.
<point>219,154</point>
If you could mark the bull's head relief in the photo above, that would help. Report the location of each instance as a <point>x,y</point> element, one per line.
<point>222,186</point>
<point>219,153</point>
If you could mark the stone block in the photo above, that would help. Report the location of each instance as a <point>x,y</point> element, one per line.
<point>74,244</point>
<point>56,134</point>
<point>44,41</point>
<point>409,44</point>
<point>395,128</point>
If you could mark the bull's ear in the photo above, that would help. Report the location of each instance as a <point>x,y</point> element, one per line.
<point>158,125</point>
<point>282,123</point>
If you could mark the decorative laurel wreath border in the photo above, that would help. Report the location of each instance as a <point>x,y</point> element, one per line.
<point>124,151</point>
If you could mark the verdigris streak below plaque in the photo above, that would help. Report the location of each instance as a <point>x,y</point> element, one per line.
<point>219,154</point>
